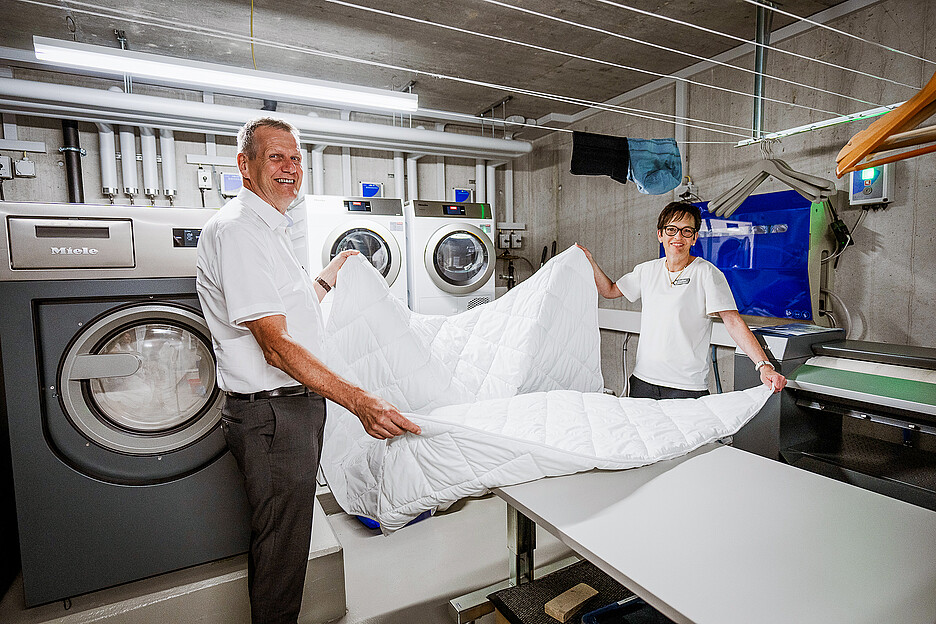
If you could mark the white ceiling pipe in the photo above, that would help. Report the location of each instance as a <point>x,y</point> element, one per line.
<point>150,170</point>
<point>108,153</point>
<point>480,179</point>
<point>167,150</point>
<point>128,168</point>
<point>43,99</point>
<point>317,165</point>
<point>399,176</point>
<point>412,176</point>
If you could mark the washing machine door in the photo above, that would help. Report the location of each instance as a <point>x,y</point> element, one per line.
<point>140,381</point>
<point>460,258</point>
<point>374,241</point>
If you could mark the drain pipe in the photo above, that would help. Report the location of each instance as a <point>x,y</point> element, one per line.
<point>440,170</point>
<point>317,164</point>
<point>167,149</point>
<point>108,153</point>
<point>762,36</point>
<point>412,176</point>
<point>128,162</point>
<point>150,170</point>
<point>71,152</point>
<point>480,179</point>
<point>399,176</point>
<point>491,183</point>
<point>508,194</point>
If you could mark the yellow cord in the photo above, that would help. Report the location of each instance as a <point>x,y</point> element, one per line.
<point>254,58</point>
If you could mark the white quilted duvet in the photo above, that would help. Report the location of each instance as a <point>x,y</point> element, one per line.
<point>505,393</point>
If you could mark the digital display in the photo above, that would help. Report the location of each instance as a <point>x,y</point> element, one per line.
<point>358,206</point>
<point>453,209</point>
<point>185,237</point>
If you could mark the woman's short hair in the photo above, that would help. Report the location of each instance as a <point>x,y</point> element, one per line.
<point>245,137</point>
<point>674,211</point>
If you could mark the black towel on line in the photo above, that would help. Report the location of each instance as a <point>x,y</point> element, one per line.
<point>598,154</point>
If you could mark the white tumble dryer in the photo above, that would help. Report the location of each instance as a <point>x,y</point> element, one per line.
<point>451,255</point>
<point>370,225</point>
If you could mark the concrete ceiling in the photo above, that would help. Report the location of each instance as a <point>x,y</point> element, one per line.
<point>185,29</point>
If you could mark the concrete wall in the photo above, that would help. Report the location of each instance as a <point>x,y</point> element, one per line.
<point>885,280</point>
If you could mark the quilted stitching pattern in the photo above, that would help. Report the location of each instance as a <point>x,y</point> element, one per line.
<point>504,393</point>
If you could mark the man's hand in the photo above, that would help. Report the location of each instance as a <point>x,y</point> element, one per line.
<point>772,379</point>
<point>380,419</point>
<point>330,272</point>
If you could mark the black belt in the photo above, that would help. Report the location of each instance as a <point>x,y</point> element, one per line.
<point>285,391</point>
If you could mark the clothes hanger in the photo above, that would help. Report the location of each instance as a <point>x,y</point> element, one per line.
<point>904,118</point>
<point>813,188</point>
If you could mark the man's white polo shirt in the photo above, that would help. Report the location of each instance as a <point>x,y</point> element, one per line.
<point>246,270</point>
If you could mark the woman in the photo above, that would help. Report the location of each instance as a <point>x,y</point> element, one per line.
<point>680,295</point>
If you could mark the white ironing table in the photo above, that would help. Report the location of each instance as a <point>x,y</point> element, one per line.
<point>722,536</point>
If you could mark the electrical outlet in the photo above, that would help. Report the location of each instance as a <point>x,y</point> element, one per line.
<point>516,240</point>
<point>204,178</point>
<point>24,168</point>
<point>6,168</point>
<point>503,240</point>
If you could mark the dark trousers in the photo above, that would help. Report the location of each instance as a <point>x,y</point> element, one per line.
<point>641,389</point>
<point>277,444</point>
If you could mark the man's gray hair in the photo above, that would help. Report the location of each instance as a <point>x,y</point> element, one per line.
<point>245,137</point>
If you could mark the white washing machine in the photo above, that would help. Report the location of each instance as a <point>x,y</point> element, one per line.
<point>373,226</point>
<point>450,254</point>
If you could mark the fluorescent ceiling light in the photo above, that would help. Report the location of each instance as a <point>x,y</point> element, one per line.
<point>219,78</point>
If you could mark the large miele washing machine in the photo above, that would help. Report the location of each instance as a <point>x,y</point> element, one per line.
<point>450,255</point>
<point>120,469</point>
<point>371,225</point>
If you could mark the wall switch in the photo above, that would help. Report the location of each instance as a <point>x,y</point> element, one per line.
<point>24,168</point>
<point>204,178</point>
<point>503,240</point>
<point>515,240</point>
<point>6,168</point>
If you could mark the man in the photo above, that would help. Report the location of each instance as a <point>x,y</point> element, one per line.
<point>267,332</point>
<point>680,293</point>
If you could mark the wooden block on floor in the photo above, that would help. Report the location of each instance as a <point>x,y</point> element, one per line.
<point>564,606</point>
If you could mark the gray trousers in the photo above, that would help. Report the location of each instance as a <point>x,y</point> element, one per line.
<point>277,444</point>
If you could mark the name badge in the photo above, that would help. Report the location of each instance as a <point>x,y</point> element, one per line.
<point>681,282</point>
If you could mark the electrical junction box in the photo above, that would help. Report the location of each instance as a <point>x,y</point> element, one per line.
<point>516,241</point>
<point>503,240</point>
<point>6,168</point>
<point>204,179</point>
<point>230,184</point>
<point>371,189</point>
<point>24,168</point>
<point>874,185</point>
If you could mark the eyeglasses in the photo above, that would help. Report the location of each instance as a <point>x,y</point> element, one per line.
<point>687,232</point>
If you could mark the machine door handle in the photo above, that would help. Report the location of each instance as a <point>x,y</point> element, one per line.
<point>104,365</point>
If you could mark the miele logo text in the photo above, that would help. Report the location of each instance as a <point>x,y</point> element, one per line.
<point>74,251</point>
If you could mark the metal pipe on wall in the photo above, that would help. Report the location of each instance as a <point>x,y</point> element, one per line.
<point>762,35</point>
<point>317,165</point>
<point>412,176</point>
<point>491,175</point>
<point>128,168</point>
<point>150,170</point>
<point>108,153</point>
<point>508,193</point>
<point>167,149</point>
<point>480,179</point>
<point>71,153</point>
<point>440,179</point>
<point>399,176</point>
<point>346,183</point>
<point>94,105</point>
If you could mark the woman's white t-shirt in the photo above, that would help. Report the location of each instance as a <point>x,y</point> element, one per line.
<point>676,320</point>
